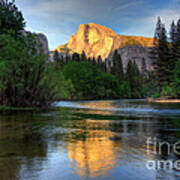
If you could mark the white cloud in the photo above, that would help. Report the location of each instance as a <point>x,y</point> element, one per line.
<point>59,19</point>
<point>146,26</point>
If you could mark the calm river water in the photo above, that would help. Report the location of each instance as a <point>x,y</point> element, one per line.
<point>99,140</point>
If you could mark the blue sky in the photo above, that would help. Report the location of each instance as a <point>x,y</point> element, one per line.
<point>59,19</point>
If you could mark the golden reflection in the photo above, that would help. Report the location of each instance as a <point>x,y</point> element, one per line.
<point>93,156</point>
<point>95,150</point>
<point>99,107</point>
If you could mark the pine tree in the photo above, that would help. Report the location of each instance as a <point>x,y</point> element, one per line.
<point>99,62</point>
<point>163,62</point>
<point>133,77</point>
<point>11,19</point>
<point>130,74</point>
<point>143,70</point>
<point>76,57</point>
<point>90,60</point>
<point>138,82</point>
<point>110,67</point>
<point>154,49</point>
<point>173,32</point>
<point>161,56</point>
<point>56,57</point>
<point>137,76</point>
<point>67,59</point>
<point>173,35</point>
<point>177,43</point>
<point>177,79</point>
<point>59,60</point>
<point>106,65</point>
<point>94,61</point>
<point>103,66</point>
<point>83,56</point>
<point>62,61</point>
<point>117,66</point>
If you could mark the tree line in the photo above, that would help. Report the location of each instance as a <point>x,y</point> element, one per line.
<point>162,81</point>
<point>29,79</point>
<point>166,59</point>
<point>130,80</point>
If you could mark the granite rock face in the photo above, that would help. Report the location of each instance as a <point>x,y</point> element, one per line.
<point>44,41</point>
<point>41,38</point>
<point>96,40</point>
<point>134,53</point>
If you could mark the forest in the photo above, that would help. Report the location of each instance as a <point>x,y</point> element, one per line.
<point>29,79</point>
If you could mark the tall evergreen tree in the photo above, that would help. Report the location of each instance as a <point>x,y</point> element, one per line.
<point>117,66</point>
<point>143,70</point>
<point>99,62</point>
<point>83,56</point>
<point>173,35</point>
<point>56,57</point>
<point>130,74</point>
<point>103,66</point>
<point>129,71</point>
<point>161,55</point>
<point>109,67</point>
<point>76,57</point>
<point>163,62</point>
<point>11,19</point>
<point>94,61</point>
<point>106,65</point>
<point>58,60</point>
<point>154,49</point>
<point>173,32</point>
<point>177,79</point>
<point>89,60</point>
<point>134,79</point>
<point>67,59</point>
<point>137,78</point>
<point>62,61</point>
<point>177,42</point>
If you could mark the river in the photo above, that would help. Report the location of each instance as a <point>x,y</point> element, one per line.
<point>98,140</point>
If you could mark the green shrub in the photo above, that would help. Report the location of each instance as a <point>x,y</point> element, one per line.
<point>90,82</point>
<point>26,79</point>
<point>167,90</point>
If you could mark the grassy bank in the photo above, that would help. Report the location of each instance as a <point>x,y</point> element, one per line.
<point>23,109</point>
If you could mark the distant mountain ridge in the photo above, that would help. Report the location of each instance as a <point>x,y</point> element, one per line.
<point>97,40</point>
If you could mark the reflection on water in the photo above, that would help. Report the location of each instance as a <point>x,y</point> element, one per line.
<point>87,140</point>
<point>101,150</point>
<point>93,156</point>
